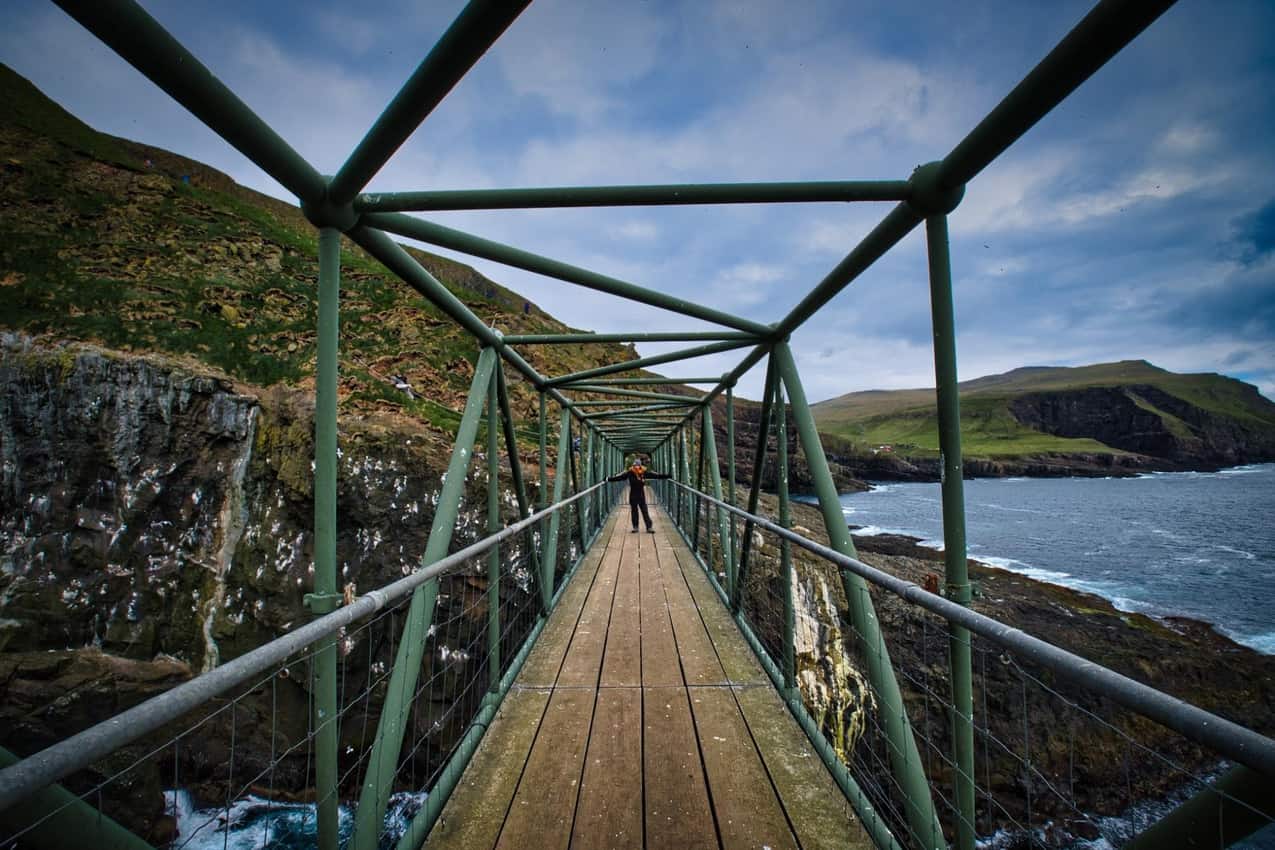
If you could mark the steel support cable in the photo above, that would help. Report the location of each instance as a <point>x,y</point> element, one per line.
<point>1229,739</point>
<point>65,757</point>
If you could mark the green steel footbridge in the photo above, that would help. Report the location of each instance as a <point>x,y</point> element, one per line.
<point>625,689</point>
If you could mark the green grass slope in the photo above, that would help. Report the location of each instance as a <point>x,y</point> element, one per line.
<point>906,419</point>
<point>135,248</point>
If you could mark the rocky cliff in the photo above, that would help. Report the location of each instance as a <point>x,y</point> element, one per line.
<point>156,520</point>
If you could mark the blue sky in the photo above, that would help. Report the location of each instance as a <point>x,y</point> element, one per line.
<point>1135,221</point>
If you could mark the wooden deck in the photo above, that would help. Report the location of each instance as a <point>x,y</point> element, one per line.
<point>642,719</point>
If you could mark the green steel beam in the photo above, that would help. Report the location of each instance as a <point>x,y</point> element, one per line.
<point>378,782</point>
<point>643,362</point>
<point>623,196</point>
<point>754,489</point>
<point>617,391</point>
<point>137,37</point>
<point>730,447</point>
<point>608,414</point>
<point>586,338</point>
<point>943,320</point>
<point>905,760</point>
<point>581,512</point>
<point>641,381</point>
<point>897,224</point>
<point>550,558</point>
<point>699,481</point>
<point>544,450</point>
<point>1100,35</point>
<point>493,526</point>
<point>325,596</point>
<point>515,463</point>
<point>56,819</point>
<point>466,40</point>
<point>789,661</point>
<point>456,240</point>
<point>715,475</point>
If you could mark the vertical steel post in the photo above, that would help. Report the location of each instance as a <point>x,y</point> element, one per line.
<point>550,561</point>
<point>785,547</point>
<point>515,463</point>
<point>754,491</point>
<point>686,476</point>
<point>575,488</point>
<point>324,599</point>
<point>724,524</point>
<point>544,453</point>
<point>957,576</point>
<point>905,760</point>
<point>732,564</point>
<point>378,782</point>
<point>493,526</point>
<point>586,505</point>
<point>699,487</point>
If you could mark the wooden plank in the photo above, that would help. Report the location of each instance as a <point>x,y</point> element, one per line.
<point>677,810</point>
<point>660,664</point>
<point>622,663</point>
<point>476,809</point>
<point>609,813</point>
<point>748,811</point>
<point>584,657</point>
<point>733,652</point>
<point>820,813</point>
<point>545,660</point>
<point>543,809</point>
<point>699,659</point>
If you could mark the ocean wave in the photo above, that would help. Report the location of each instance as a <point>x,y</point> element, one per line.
<point>255,822</point>
<point>1246,470</point>
<point>1007,508</point>
<point>875,530</point>
<point>1263,643</point>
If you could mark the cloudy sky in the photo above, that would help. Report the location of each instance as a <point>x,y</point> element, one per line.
<point>1135,221</point>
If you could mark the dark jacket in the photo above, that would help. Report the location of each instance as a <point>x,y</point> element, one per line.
<point>637,482</point>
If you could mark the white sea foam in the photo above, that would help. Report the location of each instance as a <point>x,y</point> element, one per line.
<point>874,530</point>
<point>254,822</point>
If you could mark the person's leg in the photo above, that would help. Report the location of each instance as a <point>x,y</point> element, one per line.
<point>633,510</point>
<point>646,516</point>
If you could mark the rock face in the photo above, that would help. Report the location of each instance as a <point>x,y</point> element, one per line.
<point>158,515</point>
<point>1133,418</point>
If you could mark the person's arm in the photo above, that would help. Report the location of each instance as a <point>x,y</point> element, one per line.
<point>658,475</point>
<point>623,475</point>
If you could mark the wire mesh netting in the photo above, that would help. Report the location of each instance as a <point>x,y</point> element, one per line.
<point>1056,765</point>
<point>241,770</point>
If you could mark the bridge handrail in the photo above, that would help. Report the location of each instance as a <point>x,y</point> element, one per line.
<point>82,749</point>
<point>1235,742</point>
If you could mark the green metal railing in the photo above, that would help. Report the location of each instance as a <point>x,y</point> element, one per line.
<point>617,409</point>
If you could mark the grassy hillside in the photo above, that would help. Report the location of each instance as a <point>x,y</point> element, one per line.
<point>132,247</point>
<point>906,419</point>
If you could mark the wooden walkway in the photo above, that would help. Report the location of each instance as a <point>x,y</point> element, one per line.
<point>642,719</point>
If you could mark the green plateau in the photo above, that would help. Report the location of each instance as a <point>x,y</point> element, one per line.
<point>1110,410</point>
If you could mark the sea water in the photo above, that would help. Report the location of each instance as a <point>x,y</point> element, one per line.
<point>1184,544</point>
<point>256,822</point>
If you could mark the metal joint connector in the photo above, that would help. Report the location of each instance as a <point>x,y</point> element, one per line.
<point>321,603</point>
<point>928,195</point>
